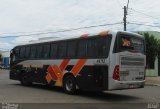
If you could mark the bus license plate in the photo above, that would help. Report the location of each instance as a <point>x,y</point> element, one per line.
<point>133,86</point>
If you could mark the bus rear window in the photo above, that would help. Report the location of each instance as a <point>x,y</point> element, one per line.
<point>131,43</point>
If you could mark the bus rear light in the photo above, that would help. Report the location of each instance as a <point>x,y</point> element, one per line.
<point>116,73</point>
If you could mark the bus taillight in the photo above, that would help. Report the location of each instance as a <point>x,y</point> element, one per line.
<point>116,73</point>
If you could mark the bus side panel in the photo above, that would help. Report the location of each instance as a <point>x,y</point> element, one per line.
<point>33,74</point>
<point>15,72</point>
<point>40,74</point>
<point>113,63</point>
<point>93,78</point>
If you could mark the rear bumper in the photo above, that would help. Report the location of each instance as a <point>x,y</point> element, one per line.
<point>118,85</point>
<point>129,82</point>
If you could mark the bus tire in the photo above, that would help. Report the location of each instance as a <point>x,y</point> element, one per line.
<point>24,80</point>
<point>69,85</point>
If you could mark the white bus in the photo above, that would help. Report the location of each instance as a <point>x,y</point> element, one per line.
<point>109,60</point>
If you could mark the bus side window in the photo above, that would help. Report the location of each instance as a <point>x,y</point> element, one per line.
<point>103,46</point>
<point>62,49</point>
<point>82,48</point>
<point>71,49</point>
<point>16,53</point>
<point>46,50</point>
<point>27,52</point>
<point>91,48</point>
<point>33,51</point>
<point>53,53</point>
<point>12,55</point>
<point>39,51</point>
<point>22,52</point>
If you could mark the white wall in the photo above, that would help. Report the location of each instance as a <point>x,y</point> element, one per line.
<point>5,53</point>
<point>153,72</point>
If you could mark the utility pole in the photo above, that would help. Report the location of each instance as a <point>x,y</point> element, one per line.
<point>125,16</point>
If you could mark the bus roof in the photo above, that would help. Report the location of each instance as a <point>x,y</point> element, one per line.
<point>50,39</point>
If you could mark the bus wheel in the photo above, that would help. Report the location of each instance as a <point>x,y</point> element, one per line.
<point>69,84</point>
<point>24,80</point>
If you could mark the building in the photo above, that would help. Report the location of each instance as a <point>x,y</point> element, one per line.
<point>5,58</point>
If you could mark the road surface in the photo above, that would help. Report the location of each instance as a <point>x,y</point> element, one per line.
<point>12,92</point>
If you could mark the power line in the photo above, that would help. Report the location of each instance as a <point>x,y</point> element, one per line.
<point>137,22</point>
<point>127,5</point>
<point>4,49</point>
<point>157,24</point>
<point>24,32</point>
<point>138,15</point>
<point>144,14</point>
<point>143,24</point>
<point>59,31</point>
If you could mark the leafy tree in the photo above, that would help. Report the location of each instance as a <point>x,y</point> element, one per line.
<point>158,49</point>
<point>151,49</point>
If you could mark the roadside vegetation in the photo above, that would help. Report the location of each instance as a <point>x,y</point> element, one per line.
<point>152,49</point>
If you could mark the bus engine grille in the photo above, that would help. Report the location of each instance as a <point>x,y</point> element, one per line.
<point>132,61</point>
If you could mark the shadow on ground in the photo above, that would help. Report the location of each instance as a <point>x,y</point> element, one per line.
<point>103,96</point>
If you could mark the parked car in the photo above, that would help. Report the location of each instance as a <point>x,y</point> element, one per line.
<point>2,66</point>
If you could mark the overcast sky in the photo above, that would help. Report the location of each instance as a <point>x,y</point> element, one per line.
<point>19,17</point>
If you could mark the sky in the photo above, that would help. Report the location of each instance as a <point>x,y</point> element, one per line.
<point>21,17</point>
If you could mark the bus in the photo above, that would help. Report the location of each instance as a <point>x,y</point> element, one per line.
<point>109,60</point>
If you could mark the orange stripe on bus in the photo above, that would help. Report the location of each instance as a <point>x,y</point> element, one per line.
<point>79,65</point>
<point>51,71</point>
<point>64,64</point>
<point>48,77</point>
<point>57,72</point>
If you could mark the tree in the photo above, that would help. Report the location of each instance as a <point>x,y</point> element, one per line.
<point>158,49</point>
<point>151,49</point>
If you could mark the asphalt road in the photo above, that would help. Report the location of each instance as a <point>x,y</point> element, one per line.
<point>12,92</point>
